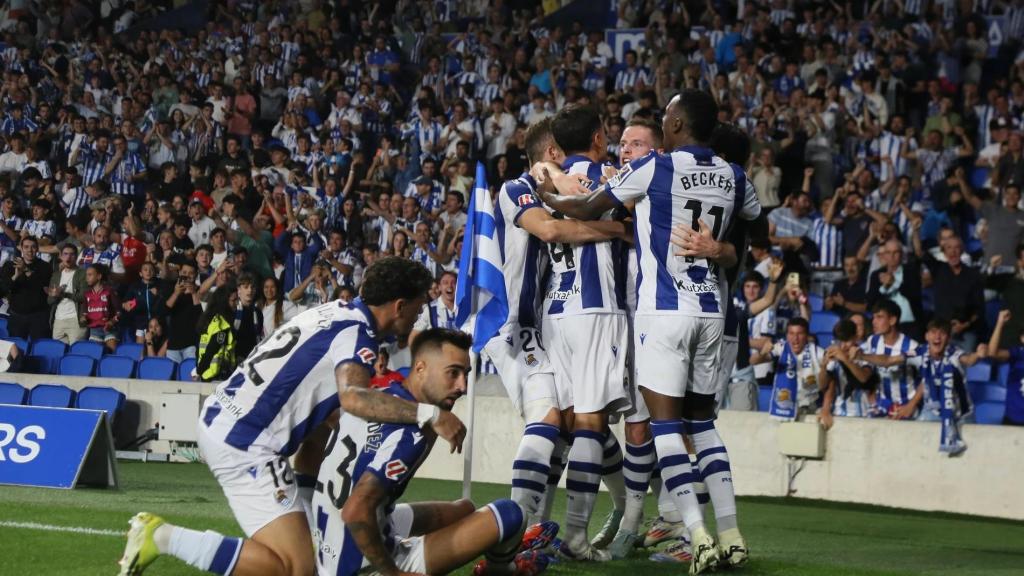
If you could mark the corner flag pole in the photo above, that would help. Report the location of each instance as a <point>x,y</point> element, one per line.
<point>467,446</point>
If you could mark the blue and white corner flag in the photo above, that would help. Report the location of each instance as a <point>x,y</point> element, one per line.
<point>480,292</point>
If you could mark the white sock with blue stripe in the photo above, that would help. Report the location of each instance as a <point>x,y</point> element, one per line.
<point>713,461</point>
<point>532,465</point>
<point>636,469</point>
<point>208,551</point>
<point>582,482</point>
<point>676,472</point>
<point>611,470</point>
<point>559,456</point>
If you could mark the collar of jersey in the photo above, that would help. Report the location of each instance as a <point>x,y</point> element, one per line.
<point>570,160</point>
<point>362,307</point>
<point>695,150</point>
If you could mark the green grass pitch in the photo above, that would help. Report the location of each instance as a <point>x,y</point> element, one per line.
<point>786,536</point>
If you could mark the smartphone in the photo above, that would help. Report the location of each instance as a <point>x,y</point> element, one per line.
<point>793,279</point>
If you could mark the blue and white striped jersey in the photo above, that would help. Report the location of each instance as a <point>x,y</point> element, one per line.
<point>391,453</point>
<point>524,258</point>
<point>586,278</point>
<point>688,185</point>
<point>829,239</point>
<point>934,372</point>
<point>286,387</point>
<point>896,382</point>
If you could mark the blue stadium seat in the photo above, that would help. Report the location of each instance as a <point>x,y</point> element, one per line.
<point>86,348</point>
<point>989,412</point>
<point>764,398</point>
<point>50,349</point>
<point>39,365</point>
<point>980,372</point>
<point>3,327</point>
<point>11,393</point>
<point>978,177</point>
<point>185,369</point>
<point>817,303</point>
<point>51,395</point>
<point>130,349</point>
<point>116,366</point>
<point>987,392</point>
<point>103,398</point>
<point>77,365</point>
<point>154,368</point>
<point>1003,373</point>
<point>823,322</point>
<point>824,339</point>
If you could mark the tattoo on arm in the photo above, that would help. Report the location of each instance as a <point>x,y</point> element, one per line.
<point>361,522</point>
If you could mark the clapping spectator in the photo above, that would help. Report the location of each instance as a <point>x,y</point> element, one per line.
<point>24,280</point>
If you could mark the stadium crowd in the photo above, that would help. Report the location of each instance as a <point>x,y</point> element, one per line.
<point>191,192</point>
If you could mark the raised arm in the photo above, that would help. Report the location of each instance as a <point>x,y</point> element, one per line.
<point>994,350</point>
<point>358,399</point>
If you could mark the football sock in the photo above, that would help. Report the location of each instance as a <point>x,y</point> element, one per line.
<point>207,551</point>
<point>713,461</point>
<point>532,466</point>
<point>559,456</point>
<point>511,523</point>
<point>676,472</point>
<point>636,468</point>
<point>666,509</point>
<point>582,483</point>
<point>699,487</point>
<point>611,470</point>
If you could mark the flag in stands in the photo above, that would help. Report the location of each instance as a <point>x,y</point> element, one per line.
<point>480,293</point>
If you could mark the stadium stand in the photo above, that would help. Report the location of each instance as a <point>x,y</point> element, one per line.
<point>108,400</point>
<point>185,369</point>
<point>93,350</point>
<point>76,365</point>
<point>116,366</point>
<point>11,393</point>
<point>156,369</point>
<point>51,395</point>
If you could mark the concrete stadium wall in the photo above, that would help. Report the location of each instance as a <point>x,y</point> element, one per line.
<point>867,461</point>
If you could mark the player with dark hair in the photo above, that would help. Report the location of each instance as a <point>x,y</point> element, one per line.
<point>277,398</point>
<point>367,467</point>
<point>680,315</point>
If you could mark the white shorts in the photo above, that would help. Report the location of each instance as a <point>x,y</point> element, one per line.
<point>638,410</point>
<point>330,534</point>
<point>521,359</point>
<point>259,488</point>
<point>678,353</point>
<point>588,353</point>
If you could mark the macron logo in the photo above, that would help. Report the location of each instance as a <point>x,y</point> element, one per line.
<point>642,338</point>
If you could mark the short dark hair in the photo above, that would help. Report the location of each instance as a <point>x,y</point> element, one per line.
<point>754,276</point>
<point>392,278</point>
<point>537,137</point>
<point>844,330</point>
<point>799,321</point>
<point>941,325</point>
<point>700,111</point>
<point>888,306</point>
<point>656,131</point>
<point>731,143</point>
<point>434,338</point>
<point>574,126</point>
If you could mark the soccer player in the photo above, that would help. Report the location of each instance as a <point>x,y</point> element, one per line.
<point>517,351</point>
<point>291,384</point>
<point>585,298</point>
<point>680,315</point>
<point>368,466</point>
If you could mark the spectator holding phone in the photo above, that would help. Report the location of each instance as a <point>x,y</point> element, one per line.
<point>24,281</point>
<point>183,310</point>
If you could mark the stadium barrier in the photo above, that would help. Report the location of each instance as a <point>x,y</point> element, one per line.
<point>866,461</point>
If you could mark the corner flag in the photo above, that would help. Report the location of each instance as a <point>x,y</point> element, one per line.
<point>480,291</point>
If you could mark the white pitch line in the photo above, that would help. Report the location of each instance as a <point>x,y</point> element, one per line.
<point>53,528</point>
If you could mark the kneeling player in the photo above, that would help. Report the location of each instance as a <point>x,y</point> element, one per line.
<point>368,466</point>
<point>275,400</point>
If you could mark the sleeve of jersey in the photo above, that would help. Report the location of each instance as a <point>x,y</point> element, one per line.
<point>751,206</point>
<point>354,344</point>
<point>521,196</point>
<point>423,322</point>
<point>401,449</point>
<point>632,181</point>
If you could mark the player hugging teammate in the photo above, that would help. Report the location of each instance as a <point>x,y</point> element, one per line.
<point>562,356</point>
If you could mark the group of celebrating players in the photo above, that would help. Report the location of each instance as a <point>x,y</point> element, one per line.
<point>617,285</point>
